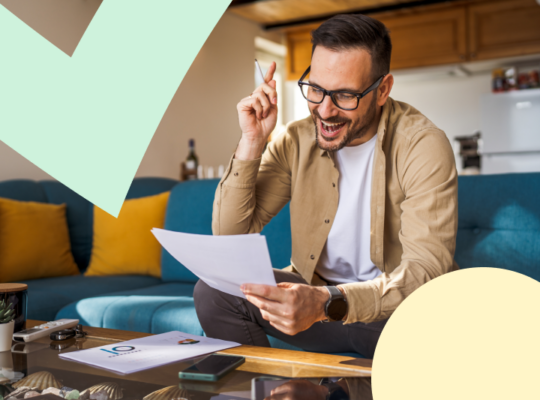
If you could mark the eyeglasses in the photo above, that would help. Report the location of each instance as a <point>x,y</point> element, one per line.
<point>341,98</point>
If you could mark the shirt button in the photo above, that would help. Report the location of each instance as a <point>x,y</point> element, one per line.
<point>312,257</point>
<point>333,184</point>
<point>236,174</point>
<point>326,221</point>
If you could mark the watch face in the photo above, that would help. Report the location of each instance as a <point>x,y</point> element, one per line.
<point>337,310</point>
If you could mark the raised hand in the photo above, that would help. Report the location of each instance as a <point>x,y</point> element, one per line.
<point>257,115</point>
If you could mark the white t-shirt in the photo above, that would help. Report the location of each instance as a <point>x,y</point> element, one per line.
<point>346,255</point>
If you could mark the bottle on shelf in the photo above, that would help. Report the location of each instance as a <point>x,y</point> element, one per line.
<point>189,167</point>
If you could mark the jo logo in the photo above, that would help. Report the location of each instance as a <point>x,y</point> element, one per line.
<point>123,348</point>
<point>118,349</point>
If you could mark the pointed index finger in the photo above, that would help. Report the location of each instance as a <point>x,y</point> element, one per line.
<point>270,72</point>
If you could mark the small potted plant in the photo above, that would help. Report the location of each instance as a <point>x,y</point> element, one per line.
<point>7,324</point>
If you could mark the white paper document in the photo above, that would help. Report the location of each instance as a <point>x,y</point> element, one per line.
<point>223,262</point>
<point>149,352</point>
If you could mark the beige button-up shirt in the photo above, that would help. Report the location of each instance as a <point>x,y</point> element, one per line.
<point>413,205</point>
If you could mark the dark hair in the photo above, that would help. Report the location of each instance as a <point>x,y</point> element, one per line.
<point>349,31</point>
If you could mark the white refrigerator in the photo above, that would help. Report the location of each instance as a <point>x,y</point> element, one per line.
<point>510,128</point>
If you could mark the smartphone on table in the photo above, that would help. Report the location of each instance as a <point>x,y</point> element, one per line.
<point>212,367</point>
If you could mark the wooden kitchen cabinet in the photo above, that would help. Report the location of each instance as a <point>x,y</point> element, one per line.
<point>444,34</point>
<point>504,29</point>
<point>428,38</point>
<point>418,39</point>
<point>298,53</point>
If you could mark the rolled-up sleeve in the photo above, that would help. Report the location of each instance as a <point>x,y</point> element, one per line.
<point>251,193</point>
<point>429,219</point>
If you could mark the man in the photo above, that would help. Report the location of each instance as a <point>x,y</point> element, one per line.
<point>372,187</point>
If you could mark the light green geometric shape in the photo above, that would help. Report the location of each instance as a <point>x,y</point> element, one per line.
<point>87,120</point>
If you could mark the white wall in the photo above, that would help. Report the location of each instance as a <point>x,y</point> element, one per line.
<point>452,103</point>
<point>203,108</point>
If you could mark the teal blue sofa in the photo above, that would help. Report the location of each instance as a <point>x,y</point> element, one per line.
<point>499,226</point>
<point>136,303</point>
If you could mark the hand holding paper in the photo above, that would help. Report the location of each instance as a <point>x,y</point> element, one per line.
<point>222,262</point>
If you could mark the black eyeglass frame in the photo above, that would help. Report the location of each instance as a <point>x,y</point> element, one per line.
<point>330,93</point>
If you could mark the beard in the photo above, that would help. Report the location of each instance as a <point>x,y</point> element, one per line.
<point>355,130</point>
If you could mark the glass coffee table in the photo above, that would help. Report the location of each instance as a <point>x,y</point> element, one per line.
<point>37,365</point>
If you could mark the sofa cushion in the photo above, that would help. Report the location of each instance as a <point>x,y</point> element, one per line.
<point>280,344</point>
<point>499,222</point>
<point>278,237</point>
<point>23,190</point>
<point>190,211</point>
<point>79,210</point>
<point>126,245</point>
<point>142,187</point>
<point>156,309</point>
<point>79,217</point>
<point>34,241</point>
<point>47,296</point>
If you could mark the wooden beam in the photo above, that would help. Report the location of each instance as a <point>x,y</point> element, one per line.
<point>366,11</point>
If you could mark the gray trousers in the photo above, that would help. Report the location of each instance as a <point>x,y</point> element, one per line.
<point>232,318</point>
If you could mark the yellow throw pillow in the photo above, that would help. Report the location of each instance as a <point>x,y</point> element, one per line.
<point>125,246</point>
<point>34,241</point>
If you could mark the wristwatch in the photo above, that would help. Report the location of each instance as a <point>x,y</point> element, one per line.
<point>336,307</point>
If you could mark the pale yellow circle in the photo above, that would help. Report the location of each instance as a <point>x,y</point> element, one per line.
<point>469,334</point>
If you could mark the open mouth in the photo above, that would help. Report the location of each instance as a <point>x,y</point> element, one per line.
<point>331,130</point>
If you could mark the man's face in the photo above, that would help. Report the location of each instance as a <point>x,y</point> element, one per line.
<point>342,70</point>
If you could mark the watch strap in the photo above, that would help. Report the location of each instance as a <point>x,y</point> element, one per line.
<point>335,293</point>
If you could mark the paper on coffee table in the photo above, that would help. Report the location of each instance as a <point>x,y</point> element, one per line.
<point>223,262</point>
<point>149,352</point>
